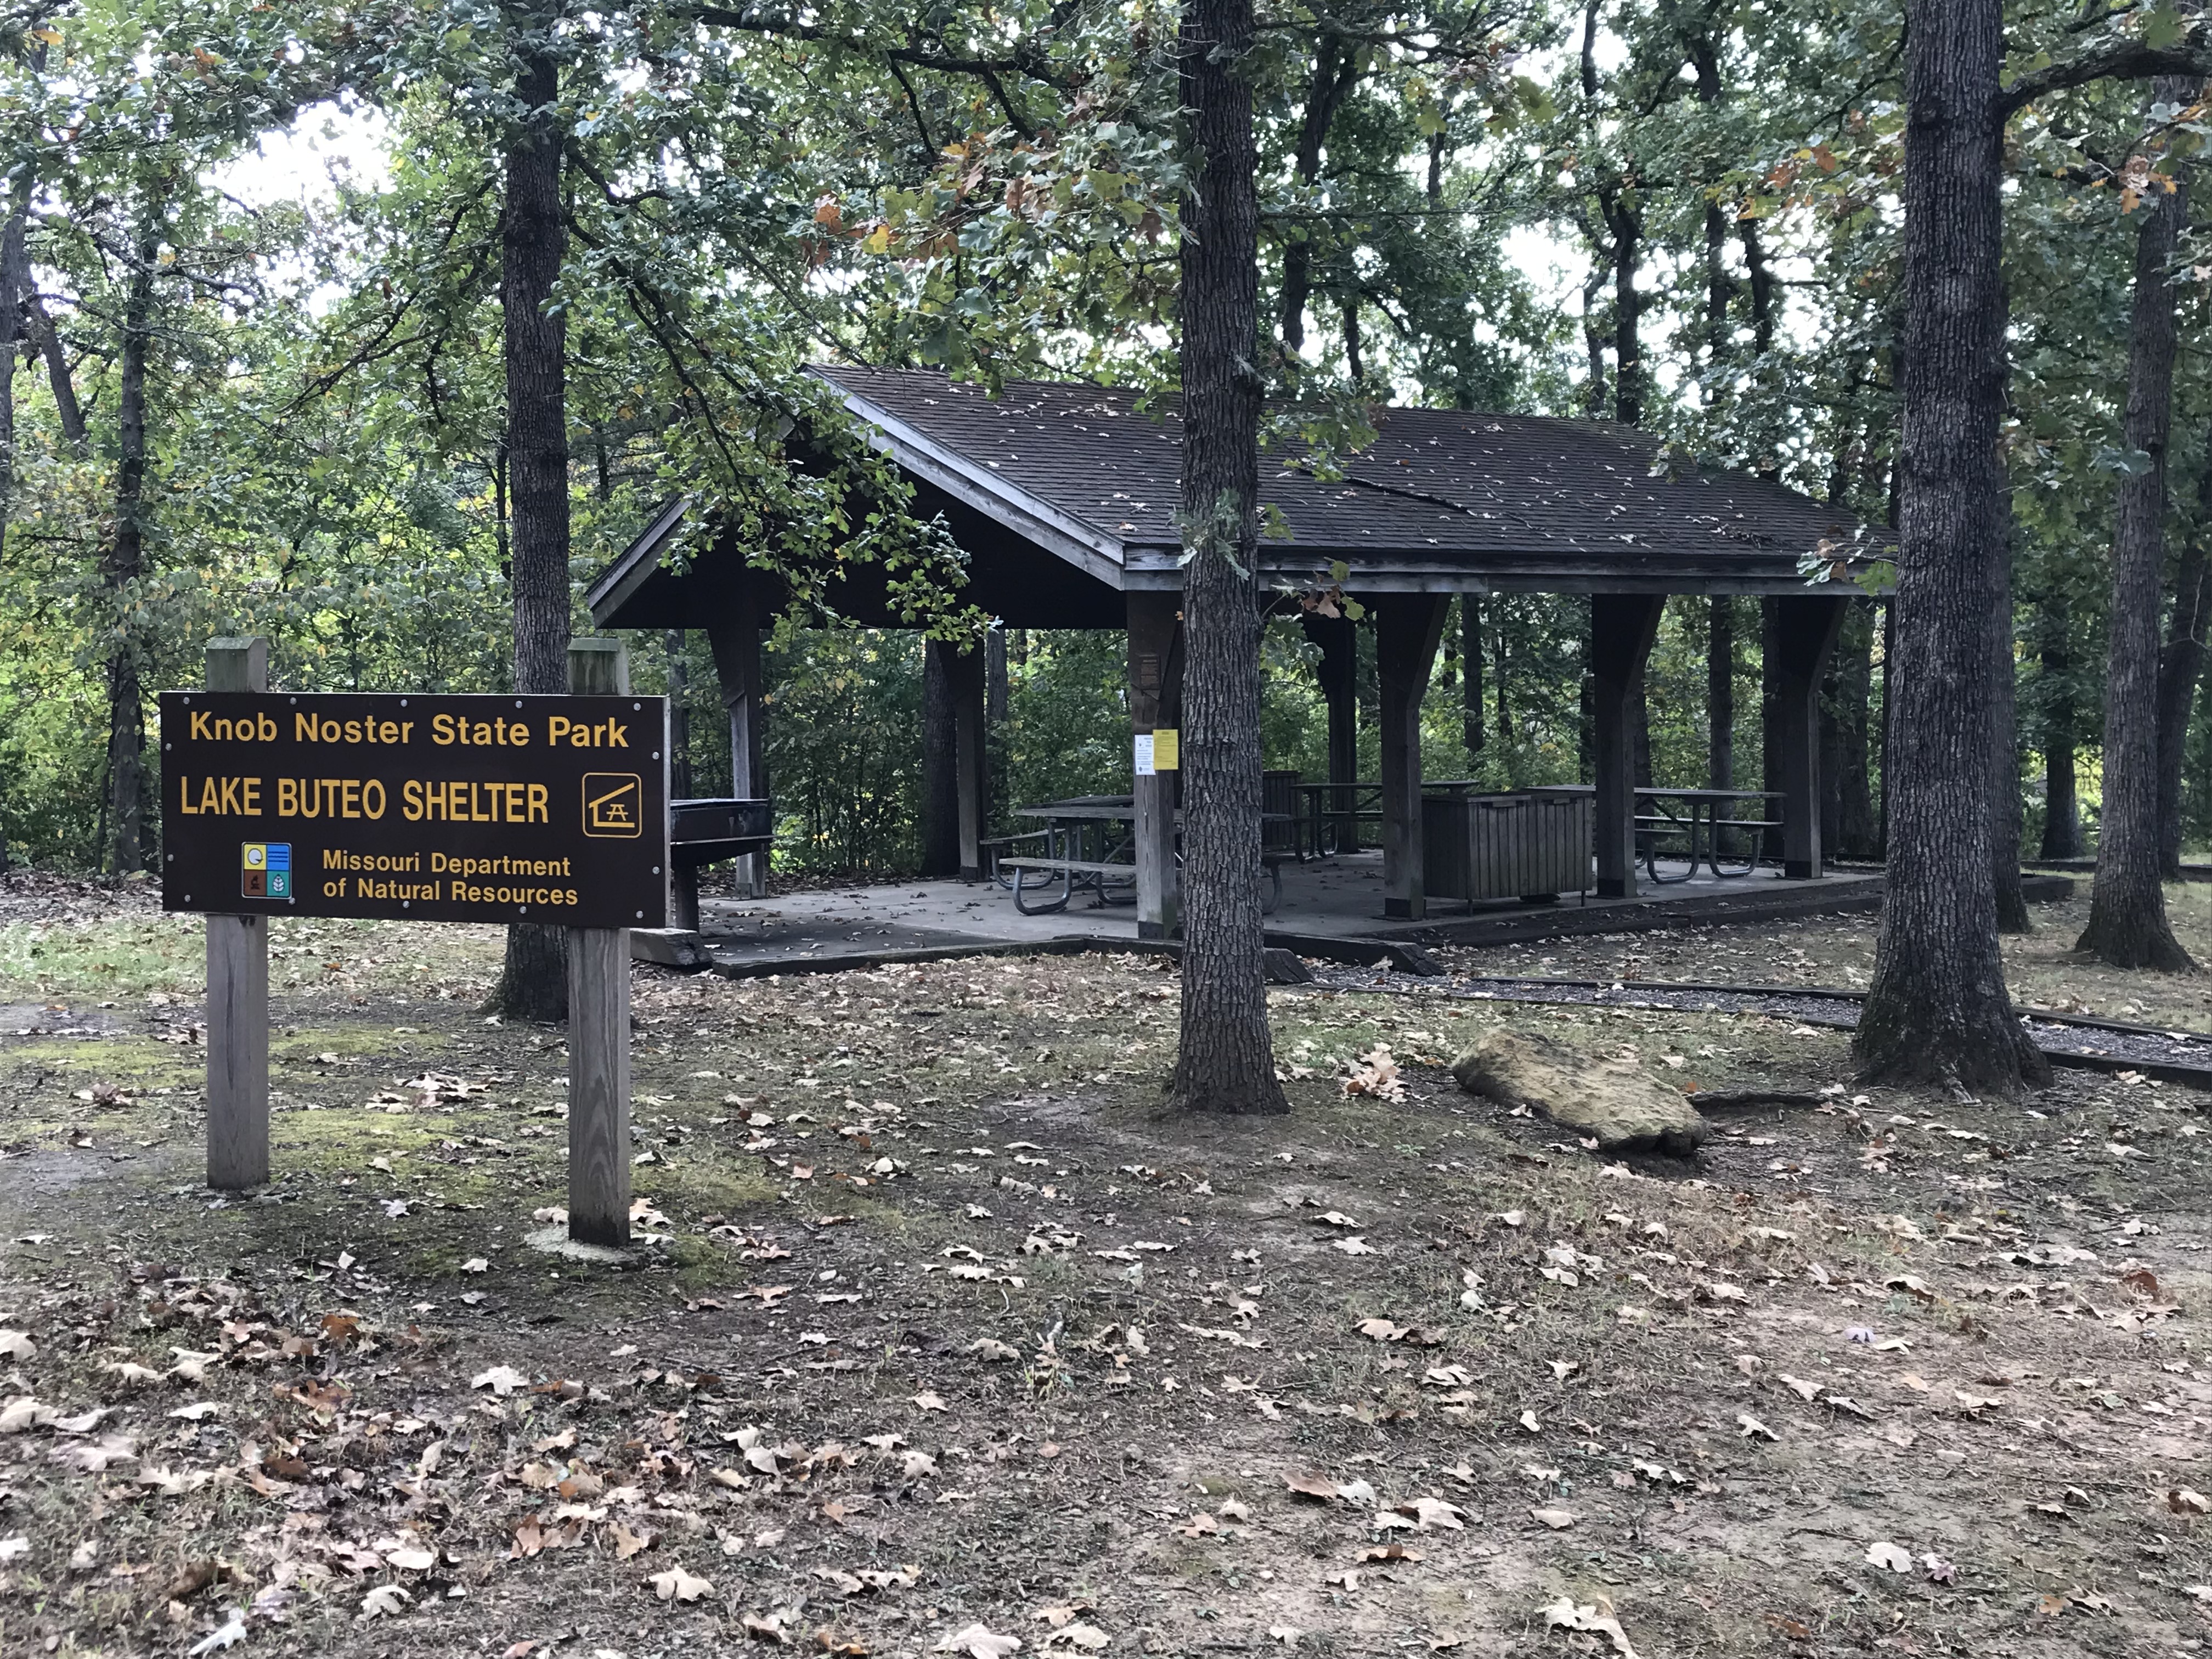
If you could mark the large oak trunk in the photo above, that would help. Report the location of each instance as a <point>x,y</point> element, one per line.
<point>1937,1010</point>
<point>2127,905</point>
<point>1225,1062</point>
<point>533,983</point>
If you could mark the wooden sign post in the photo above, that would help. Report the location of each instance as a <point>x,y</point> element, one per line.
<point>598,1024</point>
<point>237,989</point>
<point>545,810</point>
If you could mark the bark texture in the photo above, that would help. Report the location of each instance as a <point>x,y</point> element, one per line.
<point>533,983</point>
<point>1720,694</point>
<point>1336,68</point>
<point>2128,926</point>
<point>2180,665</point>
<point>2004,754</point>
<point>1470,656</point>
<point>67,410</point>
<point>2061,810</point>
<point>125,562</point>
<point>15,272</point>
<point>1937,1010</point>
<point>1858,833</point>
<point>1226,1059</point>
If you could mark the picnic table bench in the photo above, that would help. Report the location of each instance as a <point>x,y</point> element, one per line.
<point>1087,842</point>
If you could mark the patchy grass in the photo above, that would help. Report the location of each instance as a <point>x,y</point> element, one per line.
<point>940,1287</point>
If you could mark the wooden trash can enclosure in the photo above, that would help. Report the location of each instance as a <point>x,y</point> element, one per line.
<point>1529,845</point>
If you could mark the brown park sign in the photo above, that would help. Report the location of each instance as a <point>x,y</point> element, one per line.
<point>543,809</point>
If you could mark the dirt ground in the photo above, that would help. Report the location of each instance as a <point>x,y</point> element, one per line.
<point>948,1338</point>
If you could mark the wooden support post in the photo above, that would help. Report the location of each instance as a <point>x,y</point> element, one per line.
<point>683,880</point>
<point>599,1024</point>
<point>735,637</point>
<point>1407,628</point>
<point>970,720</point>
<point>237,989</point>
<point>1804,636</point>
<point>1155,702</point>
<point>1339,674</point>
<point>1622,629</point>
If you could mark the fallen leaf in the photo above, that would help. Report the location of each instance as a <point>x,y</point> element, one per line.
<point>14,1345</point>
<point>386,1602</point>
<point>1557,1520</point>
<point>228,1634</point>
<point>980,1642</point>
<point>1078,1635</point>
<point>677,1585</point>
<point>1565,1614</point>
<point>1750,1427</point>
<point>1308,1484</point>
<point>1890,1556</point>
<point>929,1401</point>
<point>501,1380</point>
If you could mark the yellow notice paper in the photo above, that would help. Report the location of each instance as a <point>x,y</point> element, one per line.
<point>1167,750</point>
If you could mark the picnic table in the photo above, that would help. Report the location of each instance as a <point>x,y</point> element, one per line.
<point>1087,844</point>
<point>1335,815</point>
<point>1686,812</point>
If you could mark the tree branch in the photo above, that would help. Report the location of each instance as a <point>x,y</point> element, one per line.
<point>2128,60</point>
<point>920,56</point>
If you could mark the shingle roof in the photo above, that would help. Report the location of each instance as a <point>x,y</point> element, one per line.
<point>1518,501</point>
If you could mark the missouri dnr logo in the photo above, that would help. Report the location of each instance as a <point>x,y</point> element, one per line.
<point>612,804</point>
<point>268,869</point>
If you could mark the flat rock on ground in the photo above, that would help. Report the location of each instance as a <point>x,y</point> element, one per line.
<point>1615,1100</point>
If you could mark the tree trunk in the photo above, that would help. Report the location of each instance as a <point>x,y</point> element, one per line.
<point>940,766</point>
<point>1720,694</point>
<point>1226,1059</point>
<point>67,410</point>
<point>2179,667</point>
<point>1937,1010</point>
<point>994,675</point>
<point>14,277</point>
<point>1594,393</point>
<point>1470,654</point>
<point>2004,752</point>
<point>534,982</point>
<point>1857,835</point>
<point>125,563</point>
<point>1770,723</point>
<point>2061,810</point>
<point>2128,926</point>
<point>1334,69</point>
<point>1627,226</point>
<point>680,717</point>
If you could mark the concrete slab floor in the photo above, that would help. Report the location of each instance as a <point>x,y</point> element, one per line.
<point>1338,898</point>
